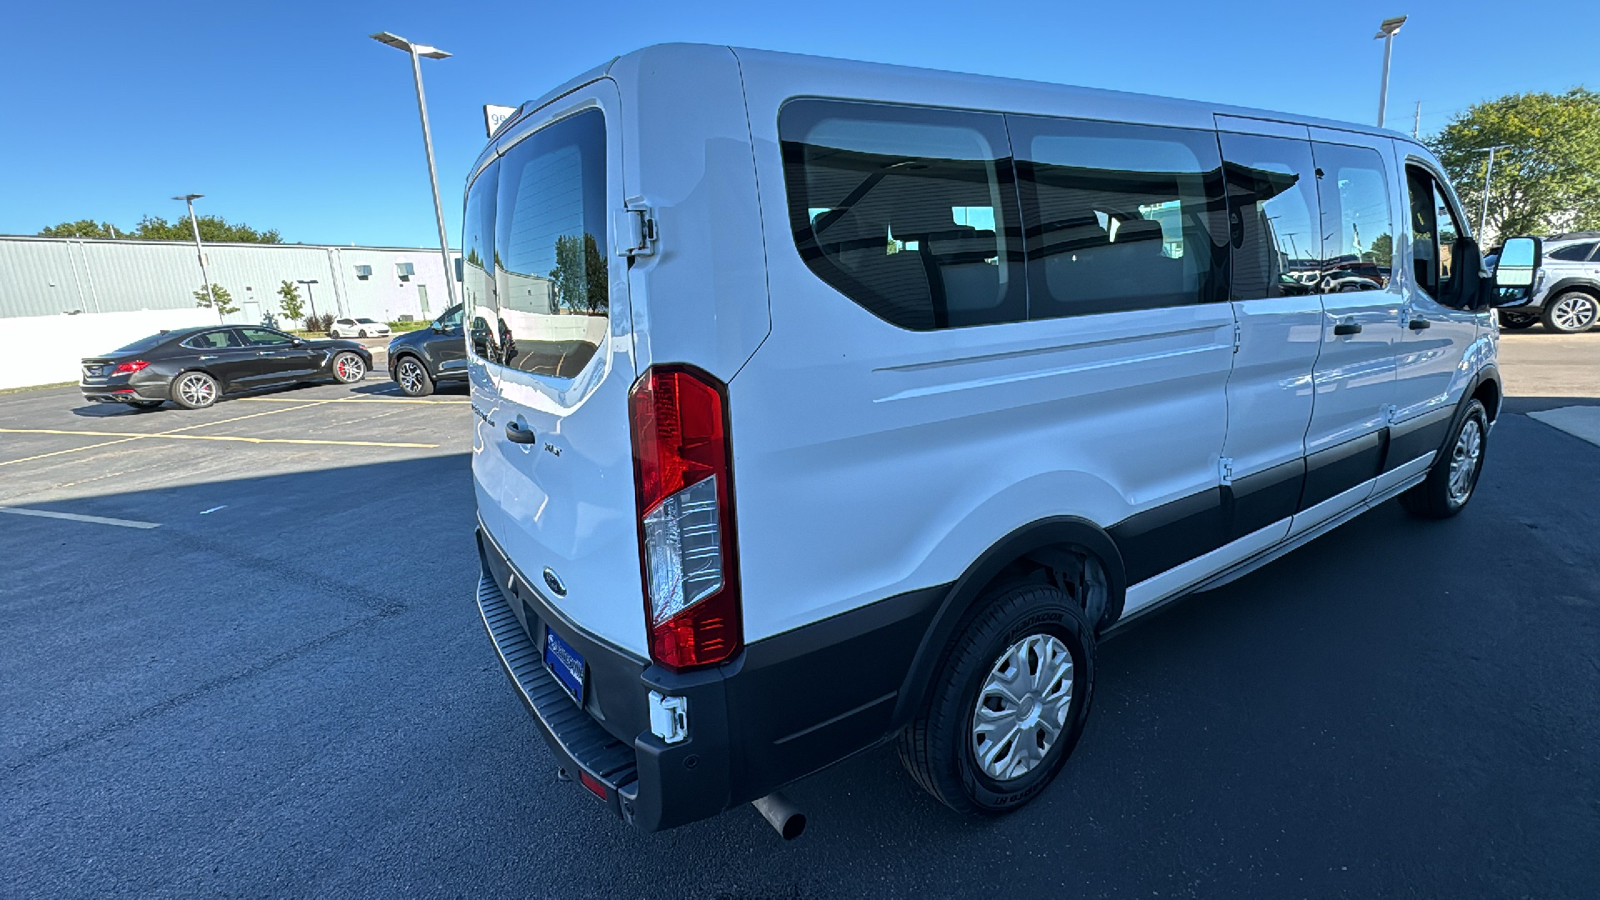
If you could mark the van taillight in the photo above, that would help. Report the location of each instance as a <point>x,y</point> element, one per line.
<point>683,482</point>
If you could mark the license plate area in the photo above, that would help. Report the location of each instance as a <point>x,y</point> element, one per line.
<point>566,664</point>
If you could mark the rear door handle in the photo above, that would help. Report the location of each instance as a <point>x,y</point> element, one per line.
<point>1419,324</point>
<point>517,434</point>
<point>1344,328</point>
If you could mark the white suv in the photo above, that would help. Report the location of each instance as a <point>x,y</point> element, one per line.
<point>822,404</point>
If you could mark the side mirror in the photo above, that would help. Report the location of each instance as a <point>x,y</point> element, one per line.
<point>1516,271</point>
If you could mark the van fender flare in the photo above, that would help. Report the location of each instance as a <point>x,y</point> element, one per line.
<point>1042,542</point>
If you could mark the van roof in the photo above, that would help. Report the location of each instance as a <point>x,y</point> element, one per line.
<point>1023,90</point>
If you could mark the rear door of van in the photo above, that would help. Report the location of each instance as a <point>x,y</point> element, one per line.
<point>553,361</point>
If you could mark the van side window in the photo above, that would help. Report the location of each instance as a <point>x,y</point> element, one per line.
<point>1357,223</point>
<point>478,265</point>
<point>1434,232</point>
<point>1119,217</point>
<point>1273,222</point>
<point>911,213</point>
<point>550,247</point>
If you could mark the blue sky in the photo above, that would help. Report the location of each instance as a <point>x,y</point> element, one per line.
<point>285,115</point>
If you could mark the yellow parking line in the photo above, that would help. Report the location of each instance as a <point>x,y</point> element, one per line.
<point>303,405</point>
<point>69,450</point>
<point>171,431</point>
<point>218,437</point>
<point>349,400</point>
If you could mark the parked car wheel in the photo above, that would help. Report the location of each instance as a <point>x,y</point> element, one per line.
<point>1008,703</point>
<point>194,390</point>
<point>361,333</point>
<point>413,378</point>
<point>349,368</point>
<point>1454,473</point>
<point>1511,321</point>
<point>1572,312</point>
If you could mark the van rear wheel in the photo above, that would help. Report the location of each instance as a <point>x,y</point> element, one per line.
<point>1008,703</point>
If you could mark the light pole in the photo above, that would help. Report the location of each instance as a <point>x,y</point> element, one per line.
<point>1387,31</point>
<point>200,251</point>
<point>308,282</point>
<point>416,51</point>
<point>1483,214</point>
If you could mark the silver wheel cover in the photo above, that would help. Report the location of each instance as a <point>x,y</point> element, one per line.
<point>1465,458</point>
<point>197,390</point>
<point>1022,707</point>
<point>349,368</point>
<point>410,376</point>
<point>1575,312</point>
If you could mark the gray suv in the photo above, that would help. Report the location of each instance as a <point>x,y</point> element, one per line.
<point>1566,295</point>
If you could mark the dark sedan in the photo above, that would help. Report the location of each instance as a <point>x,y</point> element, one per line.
<point>193,367</point>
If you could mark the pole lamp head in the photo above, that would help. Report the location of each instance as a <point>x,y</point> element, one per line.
<point>1389,27</point>
<point>400,43</point>
<point>189,197</point>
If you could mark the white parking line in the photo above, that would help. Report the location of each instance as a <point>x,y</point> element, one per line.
<point>74,517</point>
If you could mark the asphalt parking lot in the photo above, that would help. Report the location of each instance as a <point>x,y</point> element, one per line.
<point>241,658</point>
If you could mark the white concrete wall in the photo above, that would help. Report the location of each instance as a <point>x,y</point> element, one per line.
<point>47,349</point>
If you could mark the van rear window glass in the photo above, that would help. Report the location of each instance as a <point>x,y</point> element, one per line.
<point>550,244</point>
<point>478,265</point>
<point>911,213</point>
<point>1119,217</point>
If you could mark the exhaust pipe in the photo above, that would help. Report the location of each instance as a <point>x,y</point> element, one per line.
<point>781,814</point>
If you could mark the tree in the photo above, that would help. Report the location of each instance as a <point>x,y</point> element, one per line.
<point>1548,178</point>
<point>580,274</point>
<point>293,309</point>
<point>219,300</point>
<point>1382,250</point>
<point>83,228</point>
<point>213,229</point>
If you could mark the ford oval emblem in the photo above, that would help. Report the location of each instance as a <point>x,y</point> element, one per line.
<point>554,582</point>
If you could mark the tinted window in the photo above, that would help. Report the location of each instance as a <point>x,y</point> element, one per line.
<point>910,213</point>
<point>365,322</point>
<point>1573,253</point>
<point>1449,232</point>
<point>477,266</point>
<point>1120,217</point>
<point>1273,216</point>
<point>550,242</point>
<point>1357,223</point>
<point>1434,232</point>
<point>211,340</point>
<point>262,337</point>
<point>143,344</point>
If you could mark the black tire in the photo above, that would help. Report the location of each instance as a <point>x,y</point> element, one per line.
<point>1572,312</point>
<point>145,404</point>
<point>1437,497</point>
<point>348,368</point>
<point>938,747</point>
<point>361,333</point>
<point>413,377</point>
<point>1510,321</point>
<point>195,390</point>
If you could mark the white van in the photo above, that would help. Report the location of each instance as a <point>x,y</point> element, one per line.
<point>822,404</point>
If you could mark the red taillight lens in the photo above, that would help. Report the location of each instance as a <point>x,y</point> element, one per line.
<point>684,486</point>
<point>128,368</point>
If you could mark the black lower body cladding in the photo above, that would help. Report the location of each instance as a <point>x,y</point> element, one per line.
<point>786,707</point>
